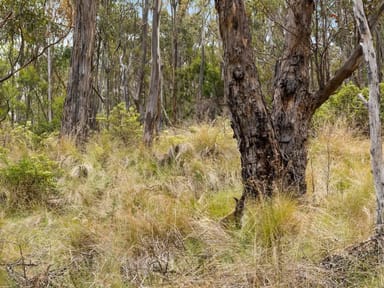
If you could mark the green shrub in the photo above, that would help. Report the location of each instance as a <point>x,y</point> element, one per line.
<point>344,104</point>
<point>18,136</point>
<point>28,182</point>
<point>123,124</point>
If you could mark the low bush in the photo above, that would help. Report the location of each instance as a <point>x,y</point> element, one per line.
<point>123,124</point>
<point>28,182</point>
<point>346,104</point>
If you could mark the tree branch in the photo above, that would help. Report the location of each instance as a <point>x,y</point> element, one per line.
<point>349,66</point>
<point>363,100</point>
<point>6,18</point>
<point>32,59</point>
<point>98,94</point>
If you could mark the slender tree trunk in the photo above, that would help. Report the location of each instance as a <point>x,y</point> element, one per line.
<point>49,60</point>
<point>96,98</point>
<point>139,97</point>
<point>28,104</point>
<point>175,55</point>
<point>106,75</point>
<point>49,64</point>
<point>97,87</point>
<point>181,7</point>
<point>200,92</point>
<point>153,108</point>
<point>77,103</point>
<point>124,89</point>
<point>93,105</point>
<point>374,111</point>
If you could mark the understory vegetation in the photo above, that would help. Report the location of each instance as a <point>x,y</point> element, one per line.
<point>119,166</point>
<point>118,215</point>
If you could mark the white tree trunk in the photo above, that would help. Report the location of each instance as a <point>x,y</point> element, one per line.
<point>153,109</point>
<point>374,110</point>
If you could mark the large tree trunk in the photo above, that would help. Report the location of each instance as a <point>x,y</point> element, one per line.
<point>77,103</point>
<point>153,109</point>
<point>273,145</point>
<point>251,123</point>
<point>291,99</point>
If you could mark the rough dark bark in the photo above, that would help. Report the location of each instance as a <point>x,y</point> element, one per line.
<point>77,103</point>
<point>251,123</point>
<point>273,145</point>
<point>291,99</point>
<point>153,108</point>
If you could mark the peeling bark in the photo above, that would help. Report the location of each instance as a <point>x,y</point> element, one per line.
<point>153,109</point>
<point>76,113</point>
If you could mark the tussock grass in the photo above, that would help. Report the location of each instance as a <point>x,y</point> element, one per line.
<point>134,221</point>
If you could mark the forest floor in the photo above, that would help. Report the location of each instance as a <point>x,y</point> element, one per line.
<point>115,214</point>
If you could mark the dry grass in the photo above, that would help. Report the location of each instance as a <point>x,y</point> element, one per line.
<point>131,221</point>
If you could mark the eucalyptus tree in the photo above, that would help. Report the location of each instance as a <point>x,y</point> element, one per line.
<point>139,96</point>
<point>373,106</point>
<point>273,140</point>
<point>76,114</point>
<point>153,107</point>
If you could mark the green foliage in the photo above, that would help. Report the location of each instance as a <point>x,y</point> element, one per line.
<point>19,137</point>
<point>220,203</point>
<point>43,127</point>
<point>346,105</point>
<point>4,279</point>
<point>123,124</point>
<point>29,181</point>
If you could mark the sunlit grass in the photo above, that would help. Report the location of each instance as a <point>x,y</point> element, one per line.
<point>134,221</point>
